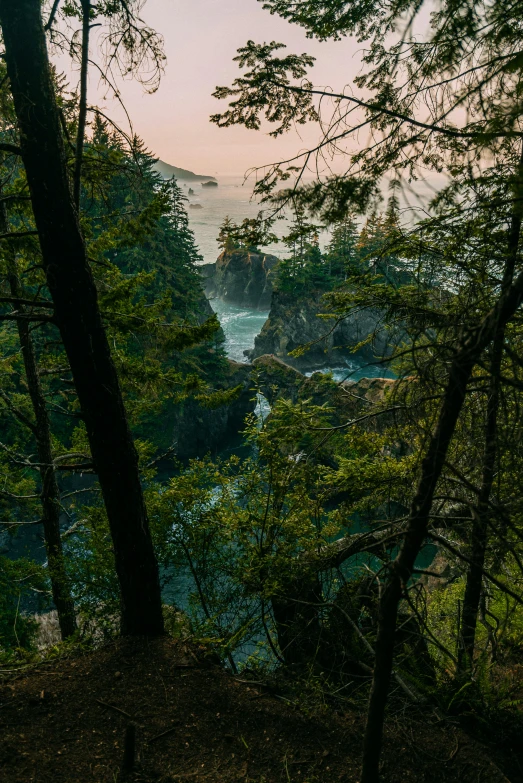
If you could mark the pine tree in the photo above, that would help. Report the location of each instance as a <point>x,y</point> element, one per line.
<point>227,237</point>
<point>342,251</point>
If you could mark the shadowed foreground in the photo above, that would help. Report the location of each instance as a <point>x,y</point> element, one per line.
<point>65,721</point>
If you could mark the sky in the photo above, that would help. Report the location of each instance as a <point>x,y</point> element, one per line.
<point>201,38</point>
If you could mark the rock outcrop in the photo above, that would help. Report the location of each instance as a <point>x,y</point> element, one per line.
<point>242,278</point>
<point>167,171</point>
<point>294,322</point>
<point>197,431</point>
<point>348,399</point>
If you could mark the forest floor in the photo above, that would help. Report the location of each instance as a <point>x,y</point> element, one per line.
<point>64,721</point>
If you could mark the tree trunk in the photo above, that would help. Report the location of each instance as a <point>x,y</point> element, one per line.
<point>474,582</point>
<point>73,291</point>
<point>465,358</point>
<point>50,494</point>
<point>401,568</point>
<point>82,110</point>
<point>297,621</point>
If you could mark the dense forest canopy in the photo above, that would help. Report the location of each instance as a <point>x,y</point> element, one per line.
<point>367,542</point>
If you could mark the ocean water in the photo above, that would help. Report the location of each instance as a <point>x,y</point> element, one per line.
<point>240,326</point>
<point>355,369</point>
<point>233,198</point>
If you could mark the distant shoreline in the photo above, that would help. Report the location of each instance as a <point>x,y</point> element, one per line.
<point>167,171</point>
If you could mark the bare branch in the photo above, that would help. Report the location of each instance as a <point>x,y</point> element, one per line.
<point>13,149</point>
<point>52,15</point>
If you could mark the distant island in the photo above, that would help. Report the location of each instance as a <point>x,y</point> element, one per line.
<point>167,171</point>
<point>211,183</point>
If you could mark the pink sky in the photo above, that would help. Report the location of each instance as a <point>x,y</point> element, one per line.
<point>201,38</point>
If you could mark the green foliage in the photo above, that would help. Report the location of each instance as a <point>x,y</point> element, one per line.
<point>250,235</point>
<point>374,256</point>
<point>268,75</point>
<point>236,536</point>
<point>94,584</point>
<point>315,514</point>
<point>20,580</point>
<point>166,344</point>
<point>326,19</point>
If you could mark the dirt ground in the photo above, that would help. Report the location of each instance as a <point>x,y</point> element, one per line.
<point>65,722</point>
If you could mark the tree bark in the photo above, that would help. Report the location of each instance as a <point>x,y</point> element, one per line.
<point>474,583</point>
<point>73,291</point>
<point>465,358</point>
<point>82,111</point>
<point>50,494</point>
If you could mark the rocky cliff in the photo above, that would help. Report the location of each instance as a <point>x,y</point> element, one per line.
<point>167,171</point>
<point>294,322</point>
<point>197,431</point>
<point>242,278</point>
<point>348,399</point>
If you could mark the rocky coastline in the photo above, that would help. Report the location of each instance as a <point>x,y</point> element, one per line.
<point>242,278</point>
<point>346,400</point>
<point>246,279</point>
<point>295,322</point>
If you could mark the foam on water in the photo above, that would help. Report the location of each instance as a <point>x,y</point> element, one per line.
<point>355,369</point>
<point>240,326</point>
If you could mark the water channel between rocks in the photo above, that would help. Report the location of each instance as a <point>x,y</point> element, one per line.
<point>241,325</point>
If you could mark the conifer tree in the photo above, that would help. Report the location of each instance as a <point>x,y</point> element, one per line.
<point>342,250</point>
<point>77,312</point>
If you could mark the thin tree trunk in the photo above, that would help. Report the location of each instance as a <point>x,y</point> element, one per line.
<point>402,566</point>
<point>82,112</point>
<point>73,291</point>
<point>50,494</point>
<point>460,372</point>
<point>474,582</point>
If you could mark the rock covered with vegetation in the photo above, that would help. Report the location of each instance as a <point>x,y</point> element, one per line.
<point>278,380</point>
<point>304,327</point>
<point>241,277</point>
<point>295,322</point>
<point>302,559</point>
<point>197,429</point>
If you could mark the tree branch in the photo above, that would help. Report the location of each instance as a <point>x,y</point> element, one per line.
<point>52,15</point>
<point>18,234</point>
<point>39,317</point>
<point>13,149</point>
<point>28,302</point>
<point>403,117</point>
<point>18,413</point>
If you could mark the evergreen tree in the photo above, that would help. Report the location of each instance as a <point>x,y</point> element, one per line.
<point>304,268</point>
<point>250,235</point>
<point>227,237</point>
<point>342,251</point>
